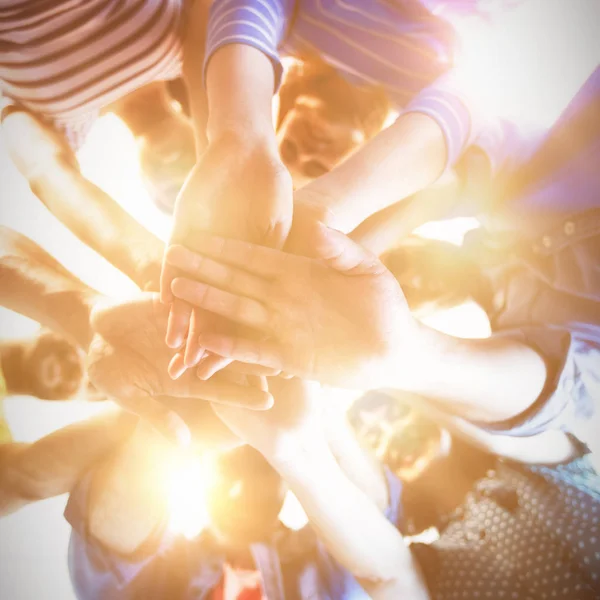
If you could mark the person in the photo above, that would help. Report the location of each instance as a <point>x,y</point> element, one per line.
<point>439,118</point>
<point>323,118</point>
<point>244,551</point>
<point>537,372</point>
<point>53,86</point>
<point>47,367</point>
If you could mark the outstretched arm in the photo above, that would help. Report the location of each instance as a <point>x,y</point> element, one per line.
<point>92,215</point>
<point>53,465</point>
<point>349,524</point>
<point>34,284</point>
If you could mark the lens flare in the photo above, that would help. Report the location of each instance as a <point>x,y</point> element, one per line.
<point>187,487</point>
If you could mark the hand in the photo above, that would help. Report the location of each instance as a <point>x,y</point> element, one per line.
<point>292,424</point>
<point>341,320</point>
<point>309,226</point>
<point>239,189</point>
<point>128,361</point>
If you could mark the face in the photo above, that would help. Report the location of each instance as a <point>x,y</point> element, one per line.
<point>398,435</point>
<point>165,138</point>
<point>313,139</point>
<point>245,499</point>
<point>54,367</point>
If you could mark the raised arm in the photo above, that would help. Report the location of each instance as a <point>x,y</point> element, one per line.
<point>93,216</point>
<point>239,187</point>
<point>53,465</point>
<point>351,527</point>
<point>36,285</point>
<point>426,140</point>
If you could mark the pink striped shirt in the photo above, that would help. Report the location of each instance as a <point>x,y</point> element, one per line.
<point>66,59</point>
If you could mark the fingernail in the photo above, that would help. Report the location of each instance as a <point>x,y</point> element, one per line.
<point>201,371</point>
<point>193,359</point>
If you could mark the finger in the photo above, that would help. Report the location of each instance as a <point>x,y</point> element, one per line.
<point>259,382</point>
<point>240,309</point>
<point>211,364</point>
<point>178,325</point>
<point>247,369</point>
<point>193,351</point>
<point>342,254</point>
<point>252,258</point>
<point>167,274</point>
<point>177,366</point>
<point>265,353</point>
<point>164,420</point>
<point>220,275</point>
<point>220,390</point>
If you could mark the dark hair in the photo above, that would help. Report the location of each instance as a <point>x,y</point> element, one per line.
<point>246,497</point>
<point>432,271</point>
<point>366,106</point>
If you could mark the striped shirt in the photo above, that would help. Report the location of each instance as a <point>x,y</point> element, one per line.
<point>66,59</point>
<point>406,46</point>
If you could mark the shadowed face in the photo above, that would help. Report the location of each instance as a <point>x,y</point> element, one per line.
<point>54,368</point>
<point>245,499</point>
<point>313,140</point>
<point>323,119</point>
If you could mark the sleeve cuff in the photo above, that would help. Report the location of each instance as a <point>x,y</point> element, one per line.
<point>549,411</point>
<point>450,112</point>
<point>259,25</point>
<point>393,512</point>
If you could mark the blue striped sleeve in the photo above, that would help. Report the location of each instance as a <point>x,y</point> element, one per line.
<point>261,24</point>
<point>457,114</point>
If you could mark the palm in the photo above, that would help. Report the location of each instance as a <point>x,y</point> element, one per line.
<point>128,361</point>
<point>334,327</point>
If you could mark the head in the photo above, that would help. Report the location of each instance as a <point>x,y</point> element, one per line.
<point>323,119</point>
<point>156,115</point>
<point>400,437</point>
<point>436,275</point>
<point>48,367</point>
<point>245,498</point>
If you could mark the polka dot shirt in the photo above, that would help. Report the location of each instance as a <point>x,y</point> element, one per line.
<point>523,533</point>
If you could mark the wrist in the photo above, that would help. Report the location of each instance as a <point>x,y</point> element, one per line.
<point>240,83</point>
<point>297,459</point>
<point>415,361</point>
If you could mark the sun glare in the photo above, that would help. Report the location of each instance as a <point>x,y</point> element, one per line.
<point>187,488</point>
<point>110,159</point>
<point>527,63</point>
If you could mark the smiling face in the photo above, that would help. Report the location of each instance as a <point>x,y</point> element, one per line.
<point>323,119</point>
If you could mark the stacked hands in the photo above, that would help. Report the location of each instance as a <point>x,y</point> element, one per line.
<point>235,312</point>
<point>339,320</point>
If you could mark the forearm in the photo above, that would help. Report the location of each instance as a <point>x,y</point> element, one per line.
<point>352,528</point>
<point>359,465</point>
<point>100,223</point>
<point>193,63</point>
<point>52,466</point>
<point>240,84</point>
<point>384,230</point>
<point>400,161</point>
<point>91,214</point>
<point>34,284</point>
<point>485,380</point>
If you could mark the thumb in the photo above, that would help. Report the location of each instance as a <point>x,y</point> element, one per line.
<point>339,252</point>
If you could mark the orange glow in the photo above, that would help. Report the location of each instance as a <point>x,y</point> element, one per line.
<point>187,487</point>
